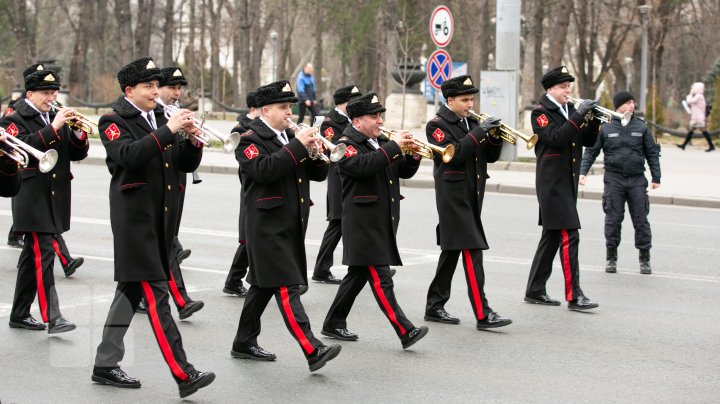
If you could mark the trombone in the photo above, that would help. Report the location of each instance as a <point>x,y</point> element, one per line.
<point>21,150</point>
<point>507,133</point>
<point>604,114</point>
<point>78,121</point>
<point>337,151</point>
<point>230,142</point>
<point>422,148</point>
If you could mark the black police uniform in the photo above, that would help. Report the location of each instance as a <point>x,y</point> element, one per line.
<point>625,149</point>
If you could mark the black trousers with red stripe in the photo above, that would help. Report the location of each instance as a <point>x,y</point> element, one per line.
<point>61,250</point>
<point>565,241</point>
<point>330,240</point>
<point>127,297</point>
<point>291,308</point>
<point>238,268</point>
<point>176,282</point>
<point>439,290</point>
<point>35,276</point>
<point>381,284</point>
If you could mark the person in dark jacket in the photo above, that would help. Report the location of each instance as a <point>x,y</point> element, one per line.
<point>41,208</point>
<point>370,173</point>
<point>305,85</point>
<point>459,194</point>
<point>145,157</point>
<point>276,170</point>
<point>625,149</point>
<point>10,173</point>
<point>332,128</point>
<point>562,132</point>
<point>238,269</point>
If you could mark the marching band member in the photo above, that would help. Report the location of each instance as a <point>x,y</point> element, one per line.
<point>562,132</point>
<point>371,172</point>
<point>145,157</point>
<point>10,174</point>
<point>459,194</point>
<point>276,172</point>
<point>332,128</point>
<point>41,208</point>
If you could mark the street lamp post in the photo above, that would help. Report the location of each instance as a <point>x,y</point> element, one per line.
<point>273,38</point>
<point>644,11</point>
<point>628,71</point>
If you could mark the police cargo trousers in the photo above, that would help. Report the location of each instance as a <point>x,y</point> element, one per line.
<point>565,241</point>
<point>633,190</point>
<point>35,276</point>
<point>439,290</point>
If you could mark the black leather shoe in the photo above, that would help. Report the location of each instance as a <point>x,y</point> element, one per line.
<point>304,289</point>
<point>60,325</point>
<point>339,333</point>
<point>115,377</point>
<point>28,323</point>
<point>492,320</point>
<point>182,255</point>
<point>322,355</point>
<point>441,316</point>
<point>413,336</point>
<point>73,265</point>
<point>237,291</point>
<point>142,307</point>
<point>542,299</point>
<point>253,352</point>
<point>190,308</point>
<point>329,278</point>
<point>195,381</point>
<point>16,242</point>
<point>581,303</point>
<point>392,272</point>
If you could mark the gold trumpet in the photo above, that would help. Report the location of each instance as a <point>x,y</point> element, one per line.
<point>21,150</point>
<point>421,147</point>
<point>507,133</point>
<point>78,121</point>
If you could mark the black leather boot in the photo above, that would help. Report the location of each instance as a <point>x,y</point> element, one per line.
<point>645,262</point>
<point>611,260</point>
<point>711,146</point>
<point>688,137</point>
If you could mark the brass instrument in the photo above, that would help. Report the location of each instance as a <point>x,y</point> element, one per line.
<point>78,121</point>
<point>604,114</point>
<point>337,151</point>
<point>21,150</point>
<point>422,147</point>
<point>507,133</point>
<point>230,142</point>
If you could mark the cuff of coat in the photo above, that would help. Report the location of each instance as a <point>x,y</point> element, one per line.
<point>391,150</point>
<point>163,137</point>
<point>576,120</point>
<point>49,136</point>
<point>296,150</point>
<point>192,149</point>
<point>79,142</point>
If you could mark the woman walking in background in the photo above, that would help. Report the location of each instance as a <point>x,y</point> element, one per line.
<point>696,102</point>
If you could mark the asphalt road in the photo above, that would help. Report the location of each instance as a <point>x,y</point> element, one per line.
<point>653,338</point>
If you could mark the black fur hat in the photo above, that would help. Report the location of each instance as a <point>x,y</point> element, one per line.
<point>345,94</point>
<point>250,100</point>
<point>556,76</point>
<point>172,76</point>
<point>35,67</point>
<point>367,104</point>
<point>42,80</point>
<point>138,71</point>
<point>274,93</point>
<point>460,85</point>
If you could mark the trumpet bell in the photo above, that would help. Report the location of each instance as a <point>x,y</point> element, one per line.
<point>231,143</point>
<point>48,160</point>
<point>338,152</point>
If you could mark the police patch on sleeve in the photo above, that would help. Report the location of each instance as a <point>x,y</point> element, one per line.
<point>251,152</point>
<point>350,151</point>
<point>12,129</point>
<point>438,135</point>
<point>329,133</point>
<point>542,121</point>
<point>112,132</point>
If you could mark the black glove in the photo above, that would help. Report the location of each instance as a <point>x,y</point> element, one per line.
<point>586,106</point>
<point>490,124</point>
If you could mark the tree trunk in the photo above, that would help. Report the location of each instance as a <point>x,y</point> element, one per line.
<point>488,36</point>
<point>318,59</point>
<point>215,24</point>
<point>78,77</point>
<point>22,40</point>
<point>559,33</point>
<point>538,39</point>
<point>143,31</point>
<point>124,35</point>
<point>246,15</point>
<point>169,33</point>
<point>100,64</point>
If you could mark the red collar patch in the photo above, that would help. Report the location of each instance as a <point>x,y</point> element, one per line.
<point>329,133</point>
<point>12,129</point>
<point>542,121</point>
<point>112,132</point>
<point>438,135</point>
<point>251,152</point>
<point>350,151</point>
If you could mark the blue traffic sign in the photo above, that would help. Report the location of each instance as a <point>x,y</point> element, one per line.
<point>439,68</point>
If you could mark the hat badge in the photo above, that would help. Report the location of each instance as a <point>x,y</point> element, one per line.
<point>467,82</point>
<point>150,65</point>
<point>286,88</point>
<point>374,99</point>
<point>39,68</point>
<point>177,73</point>
<point>564,70</point>
<point>354,90</point>
<point>49,77</point>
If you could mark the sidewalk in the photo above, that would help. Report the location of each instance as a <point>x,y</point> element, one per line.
<point>689,178</point>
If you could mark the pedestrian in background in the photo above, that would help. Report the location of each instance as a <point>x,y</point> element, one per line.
<point>696,102</point>
<point>305,85</point>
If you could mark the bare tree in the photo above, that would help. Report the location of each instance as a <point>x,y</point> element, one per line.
<point>124,34</point>
<point>17,13</point>
<point>143,31</point>
<point>169,33</point>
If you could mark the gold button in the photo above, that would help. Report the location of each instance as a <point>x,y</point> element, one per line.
<point>475,158</point>
<point>392,199</point>
<point>390,182</point>
<point>167,165</point>
<point>54,175</point>
<point>393,218</point>
<point>299,180</point>
<point>169,187</point>
<point>573,144</point>
<point>53,193</point>
<point>478,192</point>
<point>478,177</point>
<point>573,160</point>
<point>166,209</point>
<point>302,200</point>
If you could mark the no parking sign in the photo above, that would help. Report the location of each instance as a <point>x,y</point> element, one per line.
<point>439,68</point>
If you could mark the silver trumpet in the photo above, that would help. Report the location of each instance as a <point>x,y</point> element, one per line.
<point>230,142</point>
<point>337,151</point>
<point>20,152</point>
<point>604,114</point>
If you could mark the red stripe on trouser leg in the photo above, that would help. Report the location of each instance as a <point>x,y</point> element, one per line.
<point>294,326</point>
<point>175,291</point>
<point>160,334</point>
<point>565,251</point>
<point>42,299</point>
<point>63,261</point>
<point>473,285</point>
<point>378,291</point>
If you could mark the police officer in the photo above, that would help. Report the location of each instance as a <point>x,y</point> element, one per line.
<point>625,148</point>
<point>145,157</point>
<point>276,172</point>
<point>370,175</point>
<point>41,208</point>
<point>332,128</point>
<point>238,269</point>
<point>562,132</point>
<point>459,193</point>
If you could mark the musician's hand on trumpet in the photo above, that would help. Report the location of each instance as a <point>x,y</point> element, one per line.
<point>404,139</point>
<point>586,106</point>
<point>62,116</point>
<point>181,119</point>
<point>307,136</point>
